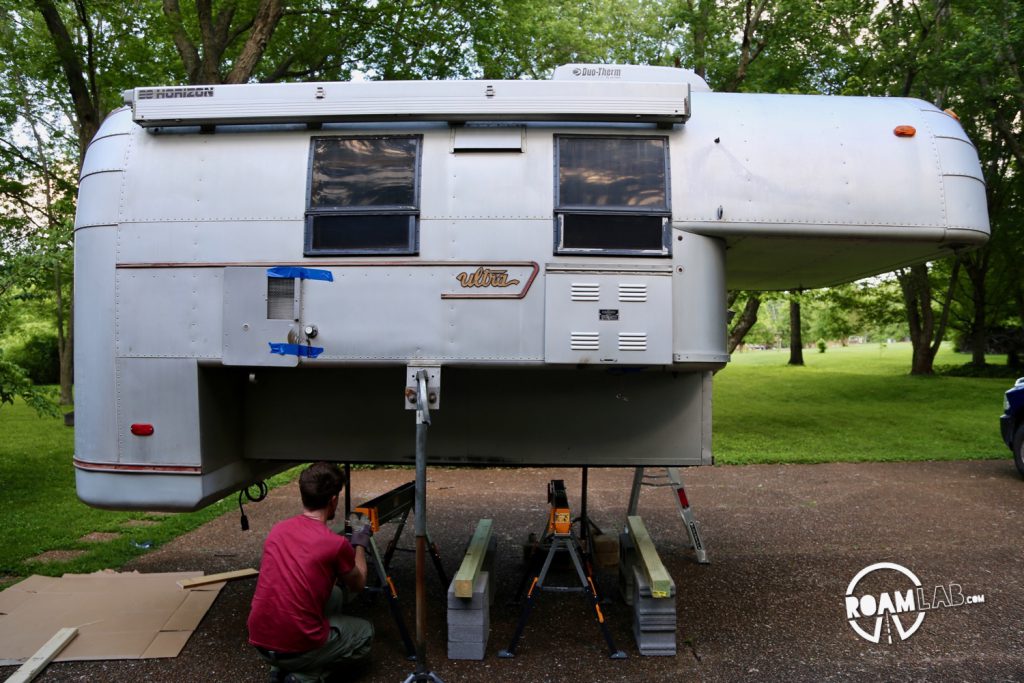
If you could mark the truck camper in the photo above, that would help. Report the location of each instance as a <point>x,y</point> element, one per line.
<point>262,271</point>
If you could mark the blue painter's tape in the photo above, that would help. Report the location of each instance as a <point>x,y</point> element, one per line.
<point>294,272</point>
<point>295,350</point>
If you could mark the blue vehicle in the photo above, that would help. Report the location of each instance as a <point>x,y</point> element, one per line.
<point>1012,423</point>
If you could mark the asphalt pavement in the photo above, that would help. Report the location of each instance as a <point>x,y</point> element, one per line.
<point>785,542</point>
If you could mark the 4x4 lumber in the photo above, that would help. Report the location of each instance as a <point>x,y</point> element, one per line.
<point>661,582</point>
<point>474,559</point>
<point>43,656</point>
<point>217,578</point>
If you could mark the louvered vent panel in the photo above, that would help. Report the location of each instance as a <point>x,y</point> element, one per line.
<point>632,341</point>
<point>585,291</point>
<point>280,298</point>
<point>584,341</point>
<point>633,293</point>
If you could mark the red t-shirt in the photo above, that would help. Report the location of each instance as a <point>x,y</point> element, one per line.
<point>302,561</point>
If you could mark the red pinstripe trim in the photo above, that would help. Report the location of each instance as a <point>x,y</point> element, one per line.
<point>135,469</point>
<point>357,264</point>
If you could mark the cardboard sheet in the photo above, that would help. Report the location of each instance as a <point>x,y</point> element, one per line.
<point>118,616</point>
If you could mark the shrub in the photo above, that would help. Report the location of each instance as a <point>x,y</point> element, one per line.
<point>821,346</point>
<point>39,357</point>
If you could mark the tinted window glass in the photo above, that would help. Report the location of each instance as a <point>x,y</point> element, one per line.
<point>370,234</point>
<point>363,172</point>
<point>612,173</point>
<point>613,233</point>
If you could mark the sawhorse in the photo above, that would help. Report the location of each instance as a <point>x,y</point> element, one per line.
<point>397,503</point>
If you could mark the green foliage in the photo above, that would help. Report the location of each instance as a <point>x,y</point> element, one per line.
<point>14,382</point>
<point>822,345</point>
<point>39,358</point>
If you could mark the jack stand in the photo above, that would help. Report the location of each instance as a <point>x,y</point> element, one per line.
<point>562,538</point>
<point>422,673</point>
<point>670,478</point>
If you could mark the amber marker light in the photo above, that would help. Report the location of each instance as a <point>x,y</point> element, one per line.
<point>951,113</point>
<point>904,131</point>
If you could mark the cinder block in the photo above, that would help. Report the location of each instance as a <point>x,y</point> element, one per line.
<point>645,626</point>
<point>457,650</point>
<point>468,634</point>
<point>658,607</point>
<point>469,617</point>
<point>655,639</point>
<point>481,594</point>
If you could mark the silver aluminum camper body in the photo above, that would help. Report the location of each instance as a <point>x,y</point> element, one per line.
<point>260,268</point>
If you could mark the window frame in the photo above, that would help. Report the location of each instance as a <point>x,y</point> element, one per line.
<point>412,211</point>
<point>561,210</point>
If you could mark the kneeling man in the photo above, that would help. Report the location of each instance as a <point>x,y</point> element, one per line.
<point>296,622</point>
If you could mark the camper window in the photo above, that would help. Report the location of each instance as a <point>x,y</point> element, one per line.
<point>612,196</point>
<point>363,195</point>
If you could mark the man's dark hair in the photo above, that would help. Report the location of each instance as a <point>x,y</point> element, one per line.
<point>320,482</point>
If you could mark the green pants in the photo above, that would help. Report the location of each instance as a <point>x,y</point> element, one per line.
<point>349,639</point>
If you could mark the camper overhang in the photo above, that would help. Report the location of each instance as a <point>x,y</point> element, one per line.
<point>664,104</point>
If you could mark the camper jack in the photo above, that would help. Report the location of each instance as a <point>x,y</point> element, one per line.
<point>562,538</point>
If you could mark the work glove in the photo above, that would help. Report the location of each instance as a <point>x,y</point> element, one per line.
<point>362,536</point>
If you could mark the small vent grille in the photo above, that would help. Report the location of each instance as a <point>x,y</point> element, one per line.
<point>586,291</point>
<point>632,341</point>
<point>633,293</point>
<point>280,298</point>
<point>584,341</point>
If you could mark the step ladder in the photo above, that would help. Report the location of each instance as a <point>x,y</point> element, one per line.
<point>670,477</point>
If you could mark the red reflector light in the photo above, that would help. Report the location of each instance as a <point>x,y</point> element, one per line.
<point>682,498</point>
<point>904,131</point>
<point>139,429</point>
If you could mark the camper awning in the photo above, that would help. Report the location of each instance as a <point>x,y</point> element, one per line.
<point>664,104</point>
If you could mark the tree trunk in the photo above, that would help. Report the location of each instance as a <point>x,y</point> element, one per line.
<point>977,266</point>
<point>87,110</point>
<point>745,322</point>
<point>796,343</point>
<point>67,354</point>
<point>925,333</point>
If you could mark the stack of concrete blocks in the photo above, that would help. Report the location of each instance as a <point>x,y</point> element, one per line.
<point>469,619</point>
<point>654,619</point>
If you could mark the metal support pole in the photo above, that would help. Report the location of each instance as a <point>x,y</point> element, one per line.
<point>422,672</point>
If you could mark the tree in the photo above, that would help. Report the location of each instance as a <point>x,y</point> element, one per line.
<point>745,322</point>
<point>796,343</point>
<point>926,333</point>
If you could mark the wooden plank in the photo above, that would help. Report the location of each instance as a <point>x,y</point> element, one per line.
<point>217,578</point>
<point>474,559</point>
<point>660,580</point>
<point>43,656</point>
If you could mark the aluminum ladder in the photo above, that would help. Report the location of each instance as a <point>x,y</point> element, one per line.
<point>670,477</point>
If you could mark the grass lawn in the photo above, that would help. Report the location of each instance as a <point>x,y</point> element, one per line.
<point>855,403</point>
<point>39,510</point>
